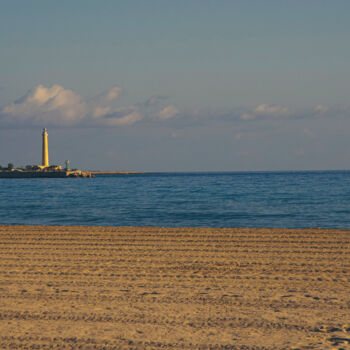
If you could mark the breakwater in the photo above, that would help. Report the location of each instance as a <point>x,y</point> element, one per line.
<point>16,174</point>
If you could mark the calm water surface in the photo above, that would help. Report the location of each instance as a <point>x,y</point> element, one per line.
<point>251,199</point>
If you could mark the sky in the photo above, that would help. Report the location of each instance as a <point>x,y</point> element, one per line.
<point>162,85</point>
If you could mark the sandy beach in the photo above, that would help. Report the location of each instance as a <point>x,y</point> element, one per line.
<point>200,288</point>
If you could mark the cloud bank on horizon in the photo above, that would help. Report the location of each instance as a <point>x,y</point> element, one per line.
<point>57,106</point>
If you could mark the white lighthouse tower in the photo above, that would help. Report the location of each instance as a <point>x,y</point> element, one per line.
<point>45,150</point>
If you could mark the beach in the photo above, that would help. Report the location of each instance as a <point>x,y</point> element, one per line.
<point>77,287</point>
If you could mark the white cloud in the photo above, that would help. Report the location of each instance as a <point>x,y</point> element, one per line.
<point>319,109</point>
<point>266,111</point>
<point>54,105</point>
<point>112,94</point>
<point>57,106</point>
<point>99,111</point>
<point>123,117</point>
<point>154,100</point>
<point>167,113</point>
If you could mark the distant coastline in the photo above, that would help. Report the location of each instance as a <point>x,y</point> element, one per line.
<point>60,173</point>
<point>22,174</point>
<point>98,172</point>
<point>45,170</point>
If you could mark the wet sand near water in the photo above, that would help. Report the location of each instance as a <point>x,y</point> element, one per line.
<point>177,288</point>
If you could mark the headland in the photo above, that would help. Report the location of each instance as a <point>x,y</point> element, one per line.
<point>45,170</point>
<point>60,173</point>
<point>70,287</point>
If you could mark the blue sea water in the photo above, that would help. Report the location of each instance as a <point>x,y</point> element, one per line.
<point>239,199</point>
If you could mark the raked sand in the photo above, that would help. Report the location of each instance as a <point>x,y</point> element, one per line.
<point>198,288</point>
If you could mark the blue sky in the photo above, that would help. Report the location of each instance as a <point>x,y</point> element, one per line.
<point>176,85</point>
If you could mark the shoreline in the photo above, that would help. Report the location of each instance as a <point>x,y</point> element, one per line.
<point>242,228</point>
<point>101,287</point>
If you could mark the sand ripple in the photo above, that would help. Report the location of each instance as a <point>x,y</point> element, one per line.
<point>136,288</point>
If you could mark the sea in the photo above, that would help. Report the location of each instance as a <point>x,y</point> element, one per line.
<point>300,199</point>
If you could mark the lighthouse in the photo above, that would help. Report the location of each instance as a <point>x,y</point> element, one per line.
<point>45,150</point>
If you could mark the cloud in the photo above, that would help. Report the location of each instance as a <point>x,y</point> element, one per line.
<point>167,113</point>
<point>57,106</point>
<point>100,111</point>
<point>266,111</point>
<point>250,117</point>
<point>154,100</point>
<point>112,94</point>
<point>54,105</point>
<point>122,117</point>
<point>321,109</point>
<point>128,119</point>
